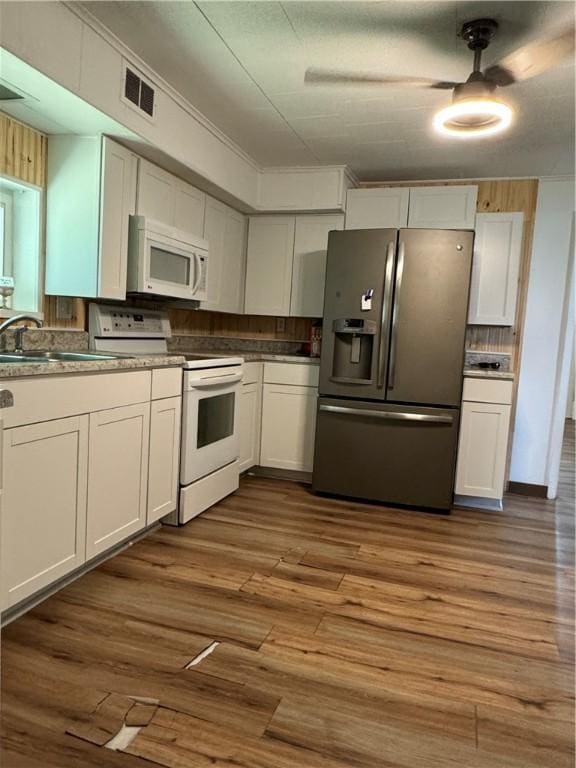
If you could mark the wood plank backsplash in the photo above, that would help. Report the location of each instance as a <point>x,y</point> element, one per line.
<point>22,152</point>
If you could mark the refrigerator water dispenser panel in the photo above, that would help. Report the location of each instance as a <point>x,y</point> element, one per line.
<point>353,349</point>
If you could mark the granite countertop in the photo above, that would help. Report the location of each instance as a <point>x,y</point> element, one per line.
<point>255,356</point>
<point>17,370</point>
<point>488,373</point>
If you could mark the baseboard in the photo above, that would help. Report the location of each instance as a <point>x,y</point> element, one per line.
<point>15,611</point>
<point>478,502</point>
<point>528,489</point>
<point>280,474</point>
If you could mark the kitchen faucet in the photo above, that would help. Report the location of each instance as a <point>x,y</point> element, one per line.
<point>19,332</point>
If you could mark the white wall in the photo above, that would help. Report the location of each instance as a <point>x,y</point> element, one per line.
<point>542,331</point>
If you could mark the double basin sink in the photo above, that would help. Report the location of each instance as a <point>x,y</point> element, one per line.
<point>42,356</point>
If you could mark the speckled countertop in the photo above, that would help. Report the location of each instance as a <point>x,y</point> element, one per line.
<point>256,356</point>
<point>17,370</point>
<point>488,373</point>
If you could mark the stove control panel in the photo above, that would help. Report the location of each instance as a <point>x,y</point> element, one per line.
<point>126,322</point>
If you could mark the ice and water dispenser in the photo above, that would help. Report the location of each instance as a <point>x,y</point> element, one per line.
<point>354,347</point>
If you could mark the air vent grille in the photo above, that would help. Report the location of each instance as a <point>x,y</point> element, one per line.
<point>146,98</point>
<point>138,92</point>
<point>132,87</point>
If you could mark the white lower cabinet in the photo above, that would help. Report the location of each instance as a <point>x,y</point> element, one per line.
<point>288,427</point>
<point>164,457</point>
<point>117,476</point>
<point>250,420</point>
<point>43,504</point>
<point>483,446</point>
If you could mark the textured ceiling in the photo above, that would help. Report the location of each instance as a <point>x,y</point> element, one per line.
<point>242,64</point>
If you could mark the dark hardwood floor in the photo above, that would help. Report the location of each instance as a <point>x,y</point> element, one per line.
<point>348,635</point>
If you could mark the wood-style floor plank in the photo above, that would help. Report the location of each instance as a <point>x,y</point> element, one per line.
<point>325,633</point>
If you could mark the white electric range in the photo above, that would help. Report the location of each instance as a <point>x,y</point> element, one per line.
<point>210,401</point>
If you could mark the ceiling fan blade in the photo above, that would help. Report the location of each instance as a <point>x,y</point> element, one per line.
<point>338,77</point>
<point>533,59</point>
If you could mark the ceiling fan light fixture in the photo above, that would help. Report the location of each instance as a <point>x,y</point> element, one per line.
<point>473,118</point>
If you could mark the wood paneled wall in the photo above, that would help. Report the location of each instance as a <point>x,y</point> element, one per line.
<point>22,152</point>
<point>494,196</point>
<point>201,323</point>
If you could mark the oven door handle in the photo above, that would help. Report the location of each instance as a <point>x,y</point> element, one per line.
<point>213,381</point>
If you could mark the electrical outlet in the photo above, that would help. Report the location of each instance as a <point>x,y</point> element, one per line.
<point>64,308</point>
<point>280,325</point>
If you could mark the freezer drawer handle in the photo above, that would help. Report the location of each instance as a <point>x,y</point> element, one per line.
<point>388,415</point>
<point>395,312</point>
<point>385,300</point>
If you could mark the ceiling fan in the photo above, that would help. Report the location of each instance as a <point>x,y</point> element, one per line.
<point>474,110</point>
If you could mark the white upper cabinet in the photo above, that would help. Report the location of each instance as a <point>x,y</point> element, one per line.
<point>443,207</point>
<point>269,265</point>
<point>156,193</point>
<point>495,268</point>
<point>90,194</point>
<point>117,202</point>
<point>189,206</point>
<point>309,263</point>
<point>225,231</point>
<point>164,197</point>
<point>377,208</point>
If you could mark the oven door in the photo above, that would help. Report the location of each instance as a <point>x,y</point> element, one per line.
<point>209,421</point>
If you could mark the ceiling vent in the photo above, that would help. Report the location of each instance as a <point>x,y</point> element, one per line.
<point>137,92</point>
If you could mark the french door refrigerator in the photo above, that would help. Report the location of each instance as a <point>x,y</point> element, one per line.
<point>395,310</point>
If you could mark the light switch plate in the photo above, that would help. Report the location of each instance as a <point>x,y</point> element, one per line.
<point>64,308</point>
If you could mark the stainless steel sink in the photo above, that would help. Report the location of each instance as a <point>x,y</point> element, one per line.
<point>48,356</point>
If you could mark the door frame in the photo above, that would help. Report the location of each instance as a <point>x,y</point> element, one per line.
<point>565,363</point>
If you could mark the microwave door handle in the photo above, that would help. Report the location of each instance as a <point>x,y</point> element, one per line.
<point>198,275</point>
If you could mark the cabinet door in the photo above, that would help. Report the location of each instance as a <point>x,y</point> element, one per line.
<point>443,207</point>
<point>189,205</point>
<point>249,425</point>
<point>232,287</point>
<point>164,458</point>
<point>377,208</point>
<point>269,265</point>
<point>117,203</point>
<point>117,476</point>
<point>288,427</point>
<point>43,505</point>
<point>309,264</point>
<point>215,233</point>
<point>482,450</point>
<point>495,268</point>
<point>156,196</point>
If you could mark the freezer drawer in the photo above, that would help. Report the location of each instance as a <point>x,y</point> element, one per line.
<point>387,453</point>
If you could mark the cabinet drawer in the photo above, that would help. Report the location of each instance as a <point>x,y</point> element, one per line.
<point>487,391</point>
<point>43,398</point>
<point>252,373</point>
<point>166,382</point>
<point>299,374</point>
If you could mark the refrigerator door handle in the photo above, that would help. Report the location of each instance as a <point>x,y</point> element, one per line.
<point>389,415</point>
<point>385,302</point>
<point>395,312</point>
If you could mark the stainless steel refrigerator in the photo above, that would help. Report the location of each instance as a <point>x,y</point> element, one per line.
<point>391,368</point>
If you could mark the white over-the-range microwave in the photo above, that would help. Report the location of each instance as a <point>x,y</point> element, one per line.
<point>164,261</point>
